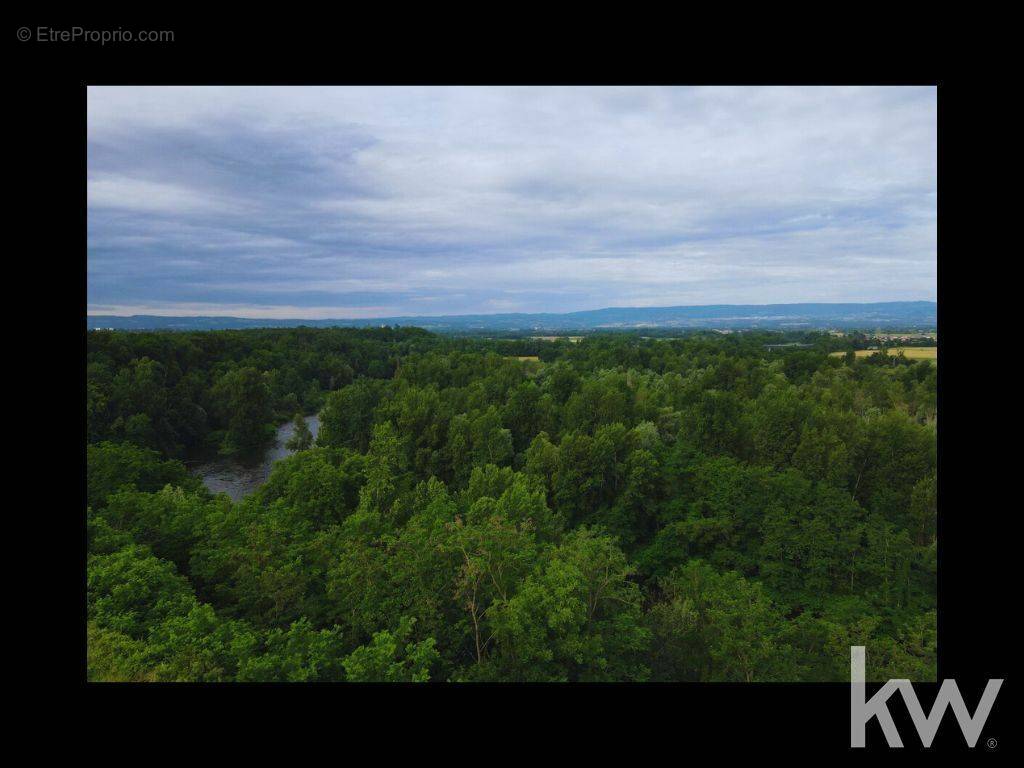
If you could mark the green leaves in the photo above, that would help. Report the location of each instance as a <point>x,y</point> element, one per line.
<point>392,658</point>
<point>347,417</point>
<point>131,591</point>
<point>302,438</point>
<point>712,626</point>
<point>113,466</point>
<point>575,617</point>
<point>300,654</point>
<point>689,508</point>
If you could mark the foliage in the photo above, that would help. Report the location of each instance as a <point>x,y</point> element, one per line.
<point>302,438</point>
<point>698,508</point>
<point>389,658</point>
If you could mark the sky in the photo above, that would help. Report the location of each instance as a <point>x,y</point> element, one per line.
<point>361,202</point>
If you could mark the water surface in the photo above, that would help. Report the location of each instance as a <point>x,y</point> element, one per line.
<point>238,478</point>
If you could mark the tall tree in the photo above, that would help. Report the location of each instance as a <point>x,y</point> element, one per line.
<point>301,438</point>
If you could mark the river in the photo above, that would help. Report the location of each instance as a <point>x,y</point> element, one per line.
<point>238,479</point>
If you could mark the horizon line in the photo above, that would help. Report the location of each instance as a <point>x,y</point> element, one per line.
<point>492,314</point>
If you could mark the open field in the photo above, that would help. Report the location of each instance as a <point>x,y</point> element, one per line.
<point>911,353</point>
<point>526,358</point>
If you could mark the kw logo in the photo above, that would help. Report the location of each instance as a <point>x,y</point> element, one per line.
<point>927,725</point>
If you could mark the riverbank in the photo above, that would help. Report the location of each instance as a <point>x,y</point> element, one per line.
<point>238,478</point>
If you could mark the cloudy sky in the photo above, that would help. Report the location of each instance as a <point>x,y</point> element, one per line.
<point>370,202</point>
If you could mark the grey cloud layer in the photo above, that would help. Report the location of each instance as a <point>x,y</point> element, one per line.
<point>359,202</point>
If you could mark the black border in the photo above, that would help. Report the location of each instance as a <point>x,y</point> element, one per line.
<point>974,551</point>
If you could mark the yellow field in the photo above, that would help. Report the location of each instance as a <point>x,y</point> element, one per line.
<point>911,353</point>
<point>526,359</point>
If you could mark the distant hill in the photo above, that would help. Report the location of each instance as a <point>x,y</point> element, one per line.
<point>891,314</point>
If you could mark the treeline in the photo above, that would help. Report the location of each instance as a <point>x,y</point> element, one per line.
<point>700,508</point>
<point>185,393</point>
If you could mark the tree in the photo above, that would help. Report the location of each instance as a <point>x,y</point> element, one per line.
<point>301,438</point>
<point>924,510</point>
<point>384,470</point>
<point>130,591</point>
<point>717,421</point>
<point>494,553</point>
<point>776,421</point>
<point>200,647</point>
<point>640,497</point>
<point>716,627</point>
<point>576,617</point>
<point>169,521</point>
<point>113,657</point>
<point>243,403</point>
<point>299,654</point>
<point>114,466</point>
<point>347,416</point>
<point>392,658</point>
<point>319,486</point>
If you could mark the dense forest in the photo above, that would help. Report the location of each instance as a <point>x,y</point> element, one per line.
<point>703,508</point>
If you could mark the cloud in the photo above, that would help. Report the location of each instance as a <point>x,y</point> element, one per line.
<point>338,202</point>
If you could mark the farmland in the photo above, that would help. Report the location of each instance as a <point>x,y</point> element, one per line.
<point>911,353</point>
